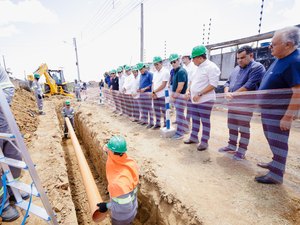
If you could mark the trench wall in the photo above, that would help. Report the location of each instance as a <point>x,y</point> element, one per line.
<point>155,206</point>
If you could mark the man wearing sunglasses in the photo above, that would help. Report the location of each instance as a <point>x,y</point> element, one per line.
<point>180,83</point>
<point>145,95</point>
<point>279,107</point>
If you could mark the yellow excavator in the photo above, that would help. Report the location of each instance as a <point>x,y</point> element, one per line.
<point>55,81</point>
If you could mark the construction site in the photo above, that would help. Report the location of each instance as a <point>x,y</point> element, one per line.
<point>178,185</point>
<point>96,151</point>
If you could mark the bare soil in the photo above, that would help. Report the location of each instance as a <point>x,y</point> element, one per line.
<point>44,145</point>
<point>203,187</point>
<point>178,184</point>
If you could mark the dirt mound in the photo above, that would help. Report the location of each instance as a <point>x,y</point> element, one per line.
<point>25,112</point>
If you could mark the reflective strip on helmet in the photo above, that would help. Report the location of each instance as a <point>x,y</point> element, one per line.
<point>6,85</point>
<point>123,201</point>
<point>1,191</point>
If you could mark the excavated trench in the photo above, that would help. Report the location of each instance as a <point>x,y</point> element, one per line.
<point>154,207</point>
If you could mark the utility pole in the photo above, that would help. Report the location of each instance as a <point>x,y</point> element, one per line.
<point>4,63</point>
<point>142,32</point>
<point>77,64</point>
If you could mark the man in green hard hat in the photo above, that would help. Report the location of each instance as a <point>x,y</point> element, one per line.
<point>202,93</point>
<point>114,87</point>
<point>128,90</point>
<point>145,90</point>
<point>160,79</point>
<point>67,111</point>
<point>122,177</point>
<point>180,83</point>
<point>121,94</point>
<point>136,94</point>
<point>38,93</point>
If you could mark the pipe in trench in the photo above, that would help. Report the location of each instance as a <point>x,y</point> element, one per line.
<point>91,189</point>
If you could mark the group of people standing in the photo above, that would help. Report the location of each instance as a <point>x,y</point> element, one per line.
<point>138,93</point>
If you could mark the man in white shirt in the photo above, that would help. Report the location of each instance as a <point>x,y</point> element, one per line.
<point>128,90</point>
<point>136,95</point>
<point>160,79</point>
<point>202,94</point>
<point>190,68</point>
<point>121,83</point>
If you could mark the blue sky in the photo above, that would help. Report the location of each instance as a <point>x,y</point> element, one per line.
<point>33,32</point>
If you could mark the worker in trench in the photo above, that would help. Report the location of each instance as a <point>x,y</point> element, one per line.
<point>38,93</point>
<point>67,111</point>
<point>7,211</point>
<point>122,176</point>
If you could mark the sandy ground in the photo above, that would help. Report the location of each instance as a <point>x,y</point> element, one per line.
<point>179,185</point>
<point>44,144</point>
<point>217,189</point>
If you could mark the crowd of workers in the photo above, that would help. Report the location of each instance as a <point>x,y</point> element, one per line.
<point>139,94</point>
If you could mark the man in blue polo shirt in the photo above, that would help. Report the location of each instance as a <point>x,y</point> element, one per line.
<point>180,83</point>
<point>114,86</point>
<point>107,79</point>
<point>145,90</point>
<point>246,76</point>
<point>279,107</point>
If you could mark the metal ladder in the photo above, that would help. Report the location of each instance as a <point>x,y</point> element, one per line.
<point>36,188</point>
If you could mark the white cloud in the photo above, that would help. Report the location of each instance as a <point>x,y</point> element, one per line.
<point>246,1</point>
<point>9,30</point>
<point>28,11</point>
<point>292,13</point>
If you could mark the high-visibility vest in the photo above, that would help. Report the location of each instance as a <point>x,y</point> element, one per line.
<point>128,199</point>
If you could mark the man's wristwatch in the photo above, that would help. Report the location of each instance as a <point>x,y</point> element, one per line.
<point>200,94</point>
<point>153,92</point>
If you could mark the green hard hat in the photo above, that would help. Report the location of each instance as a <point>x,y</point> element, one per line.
<point>112,71</point>
<point>120,69</point>
<point>140,65</point>
<point>198,50</point>
<point>134,68</point>
<point>68,102</point>
<point>36,75</point>
<point>157,59</point>
<point>173,57</point>
<point>127,68</point>
<point>117,144</point>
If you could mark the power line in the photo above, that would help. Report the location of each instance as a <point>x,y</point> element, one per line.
<point>94,17</point>
<point>109,22</point>
<point>106,10</point>
<point>106,16</point>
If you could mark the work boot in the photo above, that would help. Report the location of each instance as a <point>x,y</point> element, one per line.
<point>24,196</point>
<point>226,149</point>
<point>9,214</point>
<point>202,147</point>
